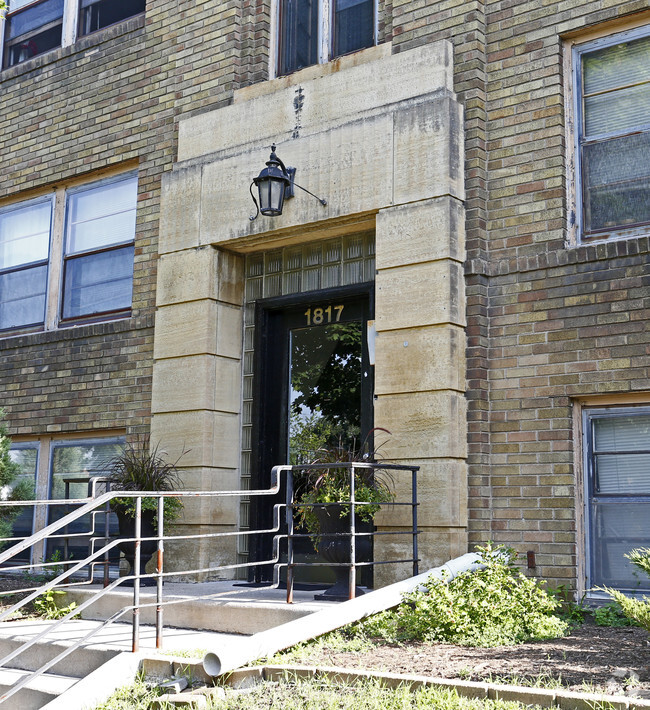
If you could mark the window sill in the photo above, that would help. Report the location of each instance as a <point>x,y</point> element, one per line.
<point>81,45</point>
<point>316,71</point>
<point>26,338</point>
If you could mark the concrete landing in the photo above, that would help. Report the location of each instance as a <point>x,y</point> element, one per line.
<point>224,606</point>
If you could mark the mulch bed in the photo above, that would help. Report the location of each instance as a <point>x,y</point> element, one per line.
<point>593,658</point>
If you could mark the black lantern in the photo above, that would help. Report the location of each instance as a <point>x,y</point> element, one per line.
<point>274,185</point>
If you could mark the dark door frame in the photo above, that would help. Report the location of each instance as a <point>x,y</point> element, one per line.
<point>270,395</point>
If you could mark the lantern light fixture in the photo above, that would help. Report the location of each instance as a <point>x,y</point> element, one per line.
<point>275,184</point>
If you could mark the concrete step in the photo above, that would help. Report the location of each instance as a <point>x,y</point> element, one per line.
<point>37,693</point>
<point>90,659</point>
<point>225,607</point>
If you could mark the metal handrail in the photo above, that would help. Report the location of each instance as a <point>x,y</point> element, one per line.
<point>99,502</point>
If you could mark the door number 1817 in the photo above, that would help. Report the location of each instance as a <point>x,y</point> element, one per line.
<point>318,316</point>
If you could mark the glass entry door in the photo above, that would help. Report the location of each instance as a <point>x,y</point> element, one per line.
<point>314,389</point>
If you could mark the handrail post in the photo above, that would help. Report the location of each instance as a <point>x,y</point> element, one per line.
<point>414,504</point>
<point>159,570</point>
<point>135,643</point>
<point>353,556</point>
<point>289,519</point>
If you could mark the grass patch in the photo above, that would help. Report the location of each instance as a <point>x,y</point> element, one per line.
<point>295,694</point>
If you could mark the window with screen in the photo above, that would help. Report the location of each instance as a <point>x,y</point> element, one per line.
<point>617,458</point>
<point>613,88</point>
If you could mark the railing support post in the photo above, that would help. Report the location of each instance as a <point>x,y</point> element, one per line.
<point>159,571</point>
<point>135,643</point>
<point>289,519</point>
<point>353,547</point>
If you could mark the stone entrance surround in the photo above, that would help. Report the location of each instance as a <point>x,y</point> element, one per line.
<point>380,136</point>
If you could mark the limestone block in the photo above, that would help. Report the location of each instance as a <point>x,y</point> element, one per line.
<point>435,547</point>
<point>210,438</point>
<point>429,230</point>
<point>309,107</point>
<point>441,493</point>
<point>422,294</point>
<point>186,276</point>
<point>420,359</point>
<point>206,509</point>
<point>429,151</point>
<point>350,166</point>
<point>180,214</point>
<point>186,329</point>
<point>206,554</point>
<point>423,425</point>
<point>196,382</point>
<point>198,274</point>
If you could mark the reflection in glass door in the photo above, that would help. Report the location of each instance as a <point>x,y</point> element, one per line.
<point>314,387</point>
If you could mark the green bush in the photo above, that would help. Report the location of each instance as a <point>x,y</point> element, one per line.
<point>493,606</point>
<point>637,610</point>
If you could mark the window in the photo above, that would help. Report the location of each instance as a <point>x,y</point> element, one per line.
<point>67,467</point>
<point>95,248</point>
<point>32,28</point>
<point>613,134</point>
<point>98,271</point>
<point>617,460</point>
<point>96,14</point>
<point>313,31</point>
<point>24,255</point>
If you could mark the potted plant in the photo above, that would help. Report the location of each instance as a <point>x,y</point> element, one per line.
<point>142,468</point>
<point>323,507</point>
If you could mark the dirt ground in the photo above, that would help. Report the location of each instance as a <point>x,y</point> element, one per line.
<point>592,658</point>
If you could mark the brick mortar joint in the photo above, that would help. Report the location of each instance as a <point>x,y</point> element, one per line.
<point>584,253</point>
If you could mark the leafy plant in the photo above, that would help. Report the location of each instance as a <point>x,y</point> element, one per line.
<point>611,615</point>
<point>633,610</point>
<point>46,607</point>
<point>142,468</point>
<point>320,486</point>
<point>493,606</point>
<point>10,489</point>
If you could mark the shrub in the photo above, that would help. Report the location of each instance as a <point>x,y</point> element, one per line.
<point>637,610</point>
<point>493,606</point>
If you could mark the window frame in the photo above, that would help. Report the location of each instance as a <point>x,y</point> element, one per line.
<point>589,415</point>
<point>70,31</point>
<point>54,297</point>
<point>325,40</point>
<point>578,50</point>
<point>32,264</point>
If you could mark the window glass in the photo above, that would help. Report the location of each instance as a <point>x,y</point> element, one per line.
<point>615,136</point>
<point>618,460</point>
<point>24,241</point>
<point>26,456</point>
<point>96,14</point>
<point>98,270</point>
<point>354,25</point>
<point>102,215</point>
<point>71,466</point>
<point>298,35</point>
<point>98,283</point>
<point>25,234</point>
<point>32,31</point>
<point>22,297</point>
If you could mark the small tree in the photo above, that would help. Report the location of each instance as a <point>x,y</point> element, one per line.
<point>636,609</point>
<point>10,489</point>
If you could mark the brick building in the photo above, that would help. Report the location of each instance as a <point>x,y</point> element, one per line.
<point>486,212</point>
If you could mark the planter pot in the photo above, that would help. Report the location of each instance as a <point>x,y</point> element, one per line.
<point>148,528</point>
<point>336,550</point>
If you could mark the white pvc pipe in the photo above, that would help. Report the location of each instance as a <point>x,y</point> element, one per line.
<point>250,648</point>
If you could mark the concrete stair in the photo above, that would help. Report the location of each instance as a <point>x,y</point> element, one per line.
<point>199,616</point>
<point>92,659</point>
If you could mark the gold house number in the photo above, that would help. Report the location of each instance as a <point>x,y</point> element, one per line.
<point>318,316</point>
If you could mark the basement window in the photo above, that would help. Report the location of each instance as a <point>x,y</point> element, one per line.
<point>617,477</point>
